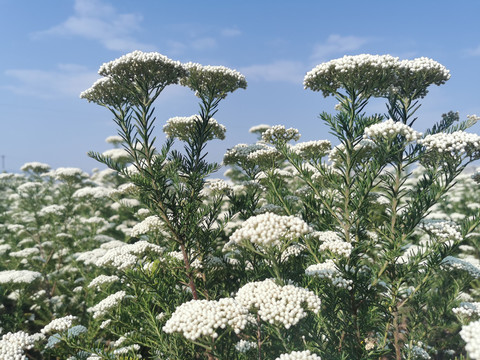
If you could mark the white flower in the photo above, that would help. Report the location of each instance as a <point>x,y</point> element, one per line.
<point>455,144</point>
<point>106,304</point>
<point>278,134</point>
<point>19,276</point>
<point>299,355</point>
<point>243,346</point>
<point>59,325</point>
<point>455,263</point>
<point>103,279</point>
<point>125,255</point>
<point>185,128</point>
<point>36,167</point>
<point>372,73</point>
<point>467,309</point>
<point>238,155</point>
<point>151,223</point>
<point>333,243</point>
<point>115,139</point>
<point>69,174</point>
<point>328,270</point>
<point>25,252</point>
<point>203,318</point>
<point>390,129</point>
<point>277,304</point>
<point>264,157</point>
<point>57,210</point>
<point>12,345</point>
<point>212,81</point>
<point>117,154</point>
<point>312,149</point>
<point>154,68</point>
<point>269,230</point>
<point>471,335</point>
<point>259,128</point>
<point>94,192</point>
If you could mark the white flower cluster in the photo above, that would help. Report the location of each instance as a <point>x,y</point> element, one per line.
<point>390,129</point>
<point>54,209</point>
<point>19,276</point>
<point>120,155</point>
<point>185,128</point>
<point>12,345</point>
<point>243,346</point>
<point>377,75</point>
<point>374,73</point>
<point>364,149</point>
<point>278,134</point>
<point>219,186</point>
<point>238,155</point>
<point>312,149</point>
<point>471,335</point>
<point>414,76</point>
<point>418,351</point>
<point>28,187</point>
<point>36,167</point>
<point>333,243</point>
<point>455,144</point>
<point>443,230</point>
<point>154,68</point>
<point>69,174</point>
<point>264,157</point>
<point>278,304</point>
<point>106,304</point>
<point>456,263</point>
<point>98,192</point>
<point>299,355</point>
<point>25,252</point>
<point>114,139</point>
<point>102,279</point>
<point>198,318</point>
<point>212,81</point>
<point>467,309</point>
<point>292,251</point>
<point>258,129</point>
<point>127,349</point>
<point>60,324</point>
<point>106,91</point>
<point>269,230</point>
<point>125,256</point>
<point>151,223</point>
<point>328,270</point>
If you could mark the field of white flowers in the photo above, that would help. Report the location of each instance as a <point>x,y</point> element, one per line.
<point>362,249</point>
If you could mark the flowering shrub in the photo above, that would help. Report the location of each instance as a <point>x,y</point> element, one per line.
<point>366,250</point>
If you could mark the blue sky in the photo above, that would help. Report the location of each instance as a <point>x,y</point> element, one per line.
<point>52,49</point>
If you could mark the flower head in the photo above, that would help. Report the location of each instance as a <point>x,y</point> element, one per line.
<point>212,81</point>
<point>184,128</point>
<point>370,74</point>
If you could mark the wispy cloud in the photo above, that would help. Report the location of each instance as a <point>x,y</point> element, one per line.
<point>337,45</point>
<point>95,20</point>
<point>67,80</point>
<point>285,71</point>
<point>474,52</point>
<point>204,43</point>
<point>230,32</point>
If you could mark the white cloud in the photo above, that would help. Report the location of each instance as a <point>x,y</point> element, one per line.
<point>337,45</point>
<point>204,43</point>
<point>68,80</point>
<point>99,21</point>
<point>474,52</point>
<point>283,70</point>
<point>230,32</point>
